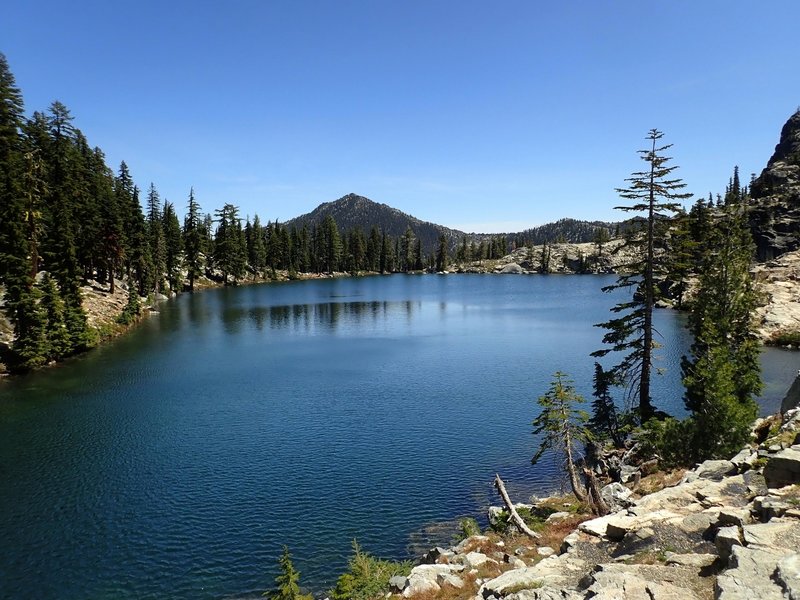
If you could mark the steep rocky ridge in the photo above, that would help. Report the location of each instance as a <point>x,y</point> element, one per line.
<point>775,209</point>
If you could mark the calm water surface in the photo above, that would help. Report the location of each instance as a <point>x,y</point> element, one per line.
<point>175,462</point>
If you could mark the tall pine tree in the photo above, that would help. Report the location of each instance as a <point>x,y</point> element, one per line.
<point>657,194</point>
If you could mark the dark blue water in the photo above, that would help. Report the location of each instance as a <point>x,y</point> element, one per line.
<point>175,462</point>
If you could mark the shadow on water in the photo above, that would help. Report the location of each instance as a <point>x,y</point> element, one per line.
<point>305,317</point>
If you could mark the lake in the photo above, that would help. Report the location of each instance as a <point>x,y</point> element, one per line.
<point>176,461</point>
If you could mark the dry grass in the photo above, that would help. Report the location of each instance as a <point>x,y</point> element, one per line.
<point>553,534</point>
<point>658,481</point>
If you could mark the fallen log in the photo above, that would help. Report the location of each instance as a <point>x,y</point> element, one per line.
<point>521,525</point>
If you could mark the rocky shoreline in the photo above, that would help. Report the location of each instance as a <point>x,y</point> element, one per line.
<point>729,530</point>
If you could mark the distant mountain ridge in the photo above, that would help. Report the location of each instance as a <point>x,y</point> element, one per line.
<point>354,211</point>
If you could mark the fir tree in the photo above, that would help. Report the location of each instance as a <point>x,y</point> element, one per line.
<point>229,244</point>
<point>441,253</point>
<point>722,376</point>
<point>155,240</point>
<point>287,583</point>
<point>30,347</point>
<point>192,240</point>
<point>16,270</point>
<point>111,243</point>
<point>680,254</point>
<point>58,341</point>
<point>173,246</point>
<point>561,426</point>
<point>658,195</point>
<point>604,422</point>
<point>132,309</point>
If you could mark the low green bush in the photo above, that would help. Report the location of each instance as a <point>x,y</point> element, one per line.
<point>367,577</point>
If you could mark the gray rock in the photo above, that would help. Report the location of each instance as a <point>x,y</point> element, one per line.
<point>783,468</point>
<point>691,560</point>
<point>451,580</point>
<point>616,496</point>
<point>774,536</point>
<point>745,459</point>
<point>787,575</point>
<point>619,522</point>
<point>645,582</point>
<point>545,551</point>
<point>628,473</point>
<point>698,522</point>
<point>512,269</point>
<point>769,507</point>
<point>424,578</point>
<point>473,560</point>
<point>715,470</point>
<point>617,527</point>
<point>726,539</point>
<point>749,577</point>
<point>436,554</point>
<point>755,482</point>
<point>397,584</point>
<point>733,516</point>
<point>545,593</point>
<point>570,542</point>
<point>792,398</point>
<point>557,516</point>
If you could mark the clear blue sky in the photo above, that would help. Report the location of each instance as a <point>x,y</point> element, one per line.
<point>485,116</point>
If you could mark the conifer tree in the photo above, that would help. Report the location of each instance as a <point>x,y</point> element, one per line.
<point>722,376</point>
<point>604,423</point>
<point>331,244</point>
<point>58,341</point>
<point>155,240</point>
<point>111,248</point>
<point>192,240</point>
<point>173,246</point>
<point>441,254</point>
<point>373,257</point>
<point>30,348</point>
<point>133,307</point>
<point>229,245</point>
<point>680,254</point>
<point>16,270</point>
<point>287,583</point>
<point>562,426</point>
<point>141,263</point>
<point>657,194</point>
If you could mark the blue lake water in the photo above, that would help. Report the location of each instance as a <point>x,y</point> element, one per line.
<point>176,461</point>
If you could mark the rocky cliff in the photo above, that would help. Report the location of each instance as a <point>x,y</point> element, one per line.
<point>775,210</point>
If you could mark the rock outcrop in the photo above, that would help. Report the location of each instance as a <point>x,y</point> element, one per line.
<point>775,210</point>
<point>728,530</point>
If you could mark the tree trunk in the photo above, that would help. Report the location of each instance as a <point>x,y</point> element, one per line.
<point>573,476</point>
<point>523,527</point>
<point>595,498</point>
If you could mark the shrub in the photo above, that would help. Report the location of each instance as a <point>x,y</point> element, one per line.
<point>468,527</point>
<point>367,577</point>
